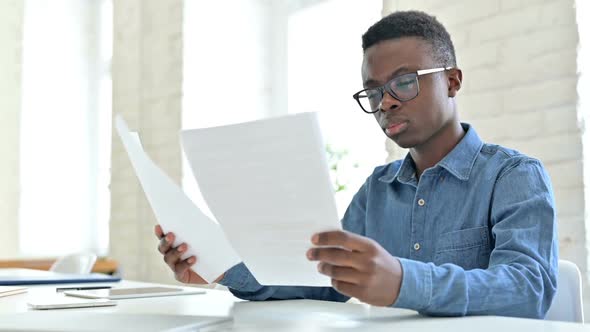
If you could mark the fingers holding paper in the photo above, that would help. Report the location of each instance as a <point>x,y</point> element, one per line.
<point>165,241</point>
<point>359,266</point>
<point>172,256</point>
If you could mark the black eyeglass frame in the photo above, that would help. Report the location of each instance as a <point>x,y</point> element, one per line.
<point>387,87</point>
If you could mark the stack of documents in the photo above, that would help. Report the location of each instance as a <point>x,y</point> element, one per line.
<point>18,276</point>
<point>267,184</point>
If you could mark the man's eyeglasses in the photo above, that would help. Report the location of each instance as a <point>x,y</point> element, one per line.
<point>403,88</point>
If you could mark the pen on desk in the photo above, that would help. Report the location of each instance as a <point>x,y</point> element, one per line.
<point>61,289</point>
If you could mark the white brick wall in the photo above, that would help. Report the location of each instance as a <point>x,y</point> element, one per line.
<point>11,30</point>
<point>519,65</point>
<point>147,92</point>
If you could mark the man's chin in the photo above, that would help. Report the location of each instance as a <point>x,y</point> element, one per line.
<point>402,142</point>
<point>405,146</point>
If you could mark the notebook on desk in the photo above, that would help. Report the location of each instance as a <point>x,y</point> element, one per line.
<point>85,321</point>
<point>12,276</point>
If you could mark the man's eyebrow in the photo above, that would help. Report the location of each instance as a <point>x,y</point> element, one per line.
<point>403,69</point>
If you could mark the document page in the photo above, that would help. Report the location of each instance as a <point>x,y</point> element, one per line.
<point>177,213</point>
<point>268,185</point>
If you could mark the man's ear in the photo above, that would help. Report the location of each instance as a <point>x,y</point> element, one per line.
<point>455,78</point>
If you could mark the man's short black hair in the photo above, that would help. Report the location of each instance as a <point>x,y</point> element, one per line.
<point>413,24</point>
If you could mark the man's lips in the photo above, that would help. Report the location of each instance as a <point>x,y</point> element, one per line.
<point>396,128</point>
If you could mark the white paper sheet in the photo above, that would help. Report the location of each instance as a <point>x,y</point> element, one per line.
<point>177,213</point>
<point>267,183</point>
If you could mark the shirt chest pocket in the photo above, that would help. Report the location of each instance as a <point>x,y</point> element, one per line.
<point>468,248</point>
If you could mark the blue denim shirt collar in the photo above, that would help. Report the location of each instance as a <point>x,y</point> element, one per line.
<point>459,162</point>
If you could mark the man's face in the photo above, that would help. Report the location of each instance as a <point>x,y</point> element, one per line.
<point>411,123</point>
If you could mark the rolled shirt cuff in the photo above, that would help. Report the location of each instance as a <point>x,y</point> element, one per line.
<point>416,288</point>
<point>240,278</point>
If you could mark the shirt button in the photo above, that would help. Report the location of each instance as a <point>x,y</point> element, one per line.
<point>421,202</point>
<point>416,246</point>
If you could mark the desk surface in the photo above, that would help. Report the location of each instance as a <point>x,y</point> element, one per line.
<point>294,315</point>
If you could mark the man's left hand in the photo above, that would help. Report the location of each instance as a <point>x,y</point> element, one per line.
<point>359,266</point>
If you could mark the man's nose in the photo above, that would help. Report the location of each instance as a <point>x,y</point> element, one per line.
<point>388,103</point>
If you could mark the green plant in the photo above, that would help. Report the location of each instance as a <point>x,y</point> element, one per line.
<point>336,158</point>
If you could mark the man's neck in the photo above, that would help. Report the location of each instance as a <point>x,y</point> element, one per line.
<point>437,147</point>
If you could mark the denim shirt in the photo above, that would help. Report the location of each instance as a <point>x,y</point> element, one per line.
<point>476,235</point>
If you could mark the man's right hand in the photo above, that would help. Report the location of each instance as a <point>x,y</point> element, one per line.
<point>181,268</point>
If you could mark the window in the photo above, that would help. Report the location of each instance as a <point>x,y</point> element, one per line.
<point>324,71</point>
<point>264,58</point>
<point>65,127</point>
<point>225,69</point>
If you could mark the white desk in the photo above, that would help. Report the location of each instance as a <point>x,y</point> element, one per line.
<point>295,315</point>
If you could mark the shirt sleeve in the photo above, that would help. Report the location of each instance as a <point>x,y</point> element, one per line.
<point>242,283</point>
<point>521,278</point>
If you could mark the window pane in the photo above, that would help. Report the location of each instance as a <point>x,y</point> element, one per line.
<point>323,74</point>
<point>63,129</point>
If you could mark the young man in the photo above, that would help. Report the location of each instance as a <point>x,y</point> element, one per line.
<point>458,227</point>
